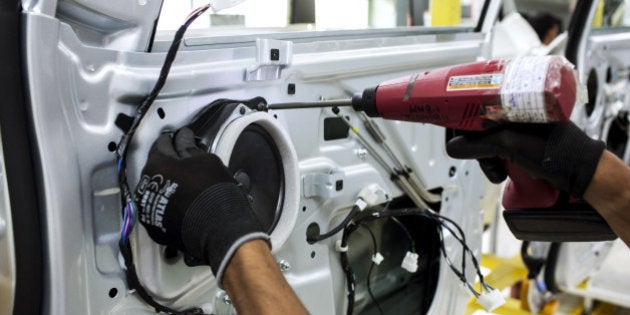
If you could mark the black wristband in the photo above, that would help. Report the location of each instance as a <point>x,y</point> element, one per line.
<point>221,207</point>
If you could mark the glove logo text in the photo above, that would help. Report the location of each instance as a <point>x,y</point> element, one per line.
<point>155,192</point>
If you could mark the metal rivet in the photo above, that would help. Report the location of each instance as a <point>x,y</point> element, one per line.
<point>284,265</point>
<point>242,110</point>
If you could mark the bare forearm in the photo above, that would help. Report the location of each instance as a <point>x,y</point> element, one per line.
<point>609,193</point>
<point>255,284</point>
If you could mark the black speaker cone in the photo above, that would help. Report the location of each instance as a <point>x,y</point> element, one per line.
<point>257,166</point>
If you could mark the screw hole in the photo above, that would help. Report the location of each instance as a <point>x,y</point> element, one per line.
<point>304,209</point>
<point>161,113</point>
<point>275,116</point>
<point>452,171</point>
<point>446,199</point>
<point>113,292</point>
<point>111,146</point>
<point>313,254</point>
<point>466,173</point>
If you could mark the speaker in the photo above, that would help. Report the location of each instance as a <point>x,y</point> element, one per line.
<point>259,153</point>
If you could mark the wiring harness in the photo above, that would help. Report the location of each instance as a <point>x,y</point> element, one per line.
<point>130,210</point>
<point>487,296</point>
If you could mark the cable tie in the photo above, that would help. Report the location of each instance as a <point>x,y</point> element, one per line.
<point>377,258</point>
<point>339,248</point>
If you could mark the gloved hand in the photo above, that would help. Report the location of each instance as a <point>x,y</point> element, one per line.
<point>188,199</point>
<point>561,154</point>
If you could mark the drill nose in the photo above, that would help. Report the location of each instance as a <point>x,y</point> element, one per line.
<point>357,102</point>
<point>366,102</point>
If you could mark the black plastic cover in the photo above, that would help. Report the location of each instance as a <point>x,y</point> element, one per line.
<point>366,102</point>
<point>570,222</point>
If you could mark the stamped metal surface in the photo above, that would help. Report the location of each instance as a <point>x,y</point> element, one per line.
<point>78,88</point>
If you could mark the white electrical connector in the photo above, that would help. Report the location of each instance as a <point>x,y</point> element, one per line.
<point>361,204</point>
<point>410,262</point>
<point>491,300</point>
<point>378,258</point>
<point>340,248</point>
<point>373,195</point>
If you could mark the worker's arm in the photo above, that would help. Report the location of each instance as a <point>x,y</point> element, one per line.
<point>188,199</point>
<point>609,193</point>
<point>255,284</point>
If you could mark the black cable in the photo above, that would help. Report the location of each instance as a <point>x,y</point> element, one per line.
<point>369,274</point>
<point>461,240</point>
<point>345,264</point>
<point>121,155</point>
<point>337,228</point>
<point>439,219</point>
<point>134,283</point>
<point>551,266</point>
<point>534,265</point>
<point>464,244</point>
<point>412,243</point>
<point>458,273</point>
<point>482,16</point>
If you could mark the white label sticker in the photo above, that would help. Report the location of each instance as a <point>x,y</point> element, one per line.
<point>474,82</point>
<point>522,93</point>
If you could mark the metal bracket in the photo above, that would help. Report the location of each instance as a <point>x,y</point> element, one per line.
<point>271,57</point>
<point>323,185</point>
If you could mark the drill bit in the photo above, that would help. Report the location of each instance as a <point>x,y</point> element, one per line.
<point>316,104</point>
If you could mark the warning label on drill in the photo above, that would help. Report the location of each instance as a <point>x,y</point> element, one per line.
<point>475,82</point>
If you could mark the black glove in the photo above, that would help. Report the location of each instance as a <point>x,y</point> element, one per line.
<point>188,199</point>
<point>561,154</point>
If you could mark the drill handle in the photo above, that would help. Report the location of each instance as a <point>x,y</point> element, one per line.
<point>522,191</point>
<point>534,211</point>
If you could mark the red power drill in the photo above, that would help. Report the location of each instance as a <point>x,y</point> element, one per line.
<point>482,95</point>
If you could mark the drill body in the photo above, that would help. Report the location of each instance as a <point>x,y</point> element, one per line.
<point>482,95</point>
<point>479,95</point>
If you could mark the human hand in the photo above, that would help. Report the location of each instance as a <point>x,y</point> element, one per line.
<point>559,153</point>
<point>188,199</point>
